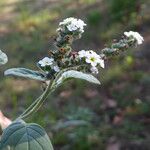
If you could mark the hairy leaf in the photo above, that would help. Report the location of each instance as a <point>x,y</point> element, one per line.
<point>76,74</point>
<point>3,58</point>
<point>22,136</point>
<point>26,73</point>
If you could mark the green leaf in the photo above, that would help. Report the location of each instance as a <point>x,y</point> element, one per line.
<point>3,58</point>
<point>26,73</point>
<point>76,74</point>
<point>22,136</point>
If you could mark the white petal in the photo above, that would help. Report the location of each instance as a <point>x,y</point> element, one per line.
<point>102,64</point>
<point>94,64</point>
<point>56,68</point>
<point>88,60</point>
<point>82,53</point>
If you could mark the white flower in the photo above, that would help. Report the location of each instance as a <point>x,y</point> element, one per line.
<point>94,59</point>
<point>94,70</point>
<point>80,24</point>
<point>82,53</point>
<point>73,24</point>
<point>46,62</point>
<point>91,57</point>
<point>135,35</point>
<point>56,68</point>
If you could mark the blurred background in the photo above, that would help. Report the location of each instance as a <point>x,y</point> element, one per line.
<point>79,115</point>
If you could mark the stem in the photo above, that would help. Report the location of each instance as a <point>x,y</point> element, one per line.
<point>37,103</point>
<point>30,107</point>
<point>40,100</point>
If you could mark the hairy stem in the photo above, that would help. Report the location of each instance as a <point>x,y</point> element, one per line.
<point>37,103</point>
<point>40,100</point>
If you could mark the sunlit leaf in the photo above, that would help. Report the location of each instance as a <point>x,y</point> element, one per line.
<point>22,136</point>
<point>3,58</point>
<point>26,73</point>
<point>76,74</point>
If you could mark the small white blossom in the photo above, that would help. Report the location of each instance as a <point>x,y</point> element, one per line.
<point>94,59</point>
<point>46,62</point>
<point>82,53</point>
<point>91,60</point>
<point>91,57</point>
<point>135,35</point>
<point>94,70</point>
<point>56,68</point>
<point>80,24</point>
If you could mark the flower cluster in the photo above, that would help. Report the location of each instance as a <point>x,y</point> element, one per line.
<point>131,34</point>
<point>92,58</point>
<point>72,24</point>
<point>130,39</point>
<point>69,30</point>
<point>64,56</point>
